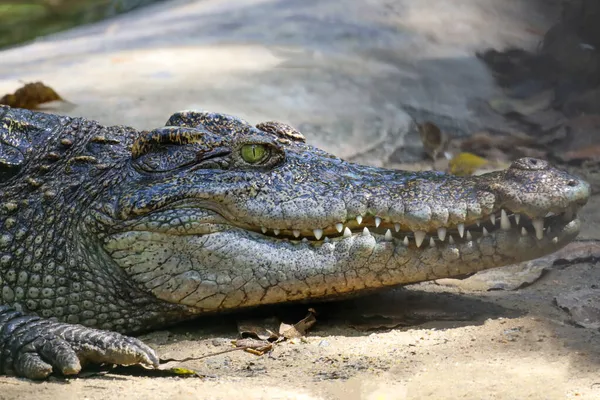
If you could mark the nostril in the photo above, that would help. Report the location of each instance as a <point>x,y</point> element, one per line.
<point>572,183</point>
<point>533,161</point>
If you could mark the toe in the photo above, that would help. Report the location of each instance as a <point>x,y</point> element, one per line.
<point>113,348</point>
<point>31,365</point>
<point>60,354</point>
<point>147,355</point>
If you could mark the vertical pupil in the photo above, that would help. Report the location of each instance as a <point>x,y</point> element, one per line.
<point>253,152</point>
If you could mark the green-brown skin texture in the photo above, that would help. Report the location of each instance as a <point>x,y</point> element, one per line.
<point>124,231</point>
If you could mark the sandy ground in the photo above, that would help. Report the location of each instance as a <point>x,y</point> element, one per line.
<point>478,345</point>
<point>344,72</point>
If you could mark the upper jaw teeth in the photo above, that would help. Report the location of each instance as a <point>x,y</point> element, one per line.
<point>477,228</point>
<point>461,229</point>
<point>441,233</point>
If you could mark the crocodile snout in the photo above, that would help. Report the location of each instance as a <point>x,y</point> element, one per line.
<point>577,191</point>
<point>536,188</point>
<point>574,189</point>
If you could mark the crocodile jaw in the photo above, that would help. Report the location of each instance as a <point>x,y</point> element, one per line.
<point>233,267</point>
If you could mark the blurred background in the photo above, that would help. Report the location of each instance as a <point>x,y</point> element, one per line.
<point>383,82</point>
<point>24,20</point>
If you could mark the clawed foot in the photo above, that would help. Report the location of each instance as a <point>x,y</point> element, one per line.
<point>33,348</point>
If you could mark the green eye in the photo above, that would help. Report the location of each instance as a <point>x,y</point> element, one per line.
<point>254,153</point>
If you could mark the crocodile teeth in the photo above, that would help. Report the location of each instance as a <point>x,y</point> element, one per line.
<point>397,227</point>
<point>431,241</point>
<point>504,221</point>
<point>318,233</point>
<point>419,237</point>
<point>485,231</point>
<point>517,218</point>
<point>555,240</point>
<point>523,231</point>
<point>377,222</point>
<point>442,233</point>
<point>469,237</point>
<point>366,231</point>
<point>304,240</point>
<point>276,231</point>
<point>461,229</point>
<point>478,222</point>
<point>347,232</point>
<point>359,219</point>
<point>538,224</point>
<point>263,229</point>
<point>493,219</point>
<point>388,235</point>
<point>450,239</point>
<point>296,232</point>
<point>405,241</point>
<point>326,240</point>
<point>339,227</point>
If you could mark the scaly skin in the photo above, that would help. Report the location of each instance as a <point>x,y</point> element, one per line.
<point>108,228</point>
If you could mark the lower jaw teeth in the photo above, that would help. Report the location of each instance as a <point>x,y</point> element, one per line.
<point>419,237</point>
<point>538,225</point>
<point>388,235</point>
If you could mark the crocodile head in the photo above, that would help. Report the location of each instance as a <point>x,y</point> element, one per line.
<point>213,213</point>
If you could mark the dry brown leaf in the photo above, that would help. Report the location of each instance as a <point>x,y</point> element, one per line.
<point>254,346</point>
<point>30,96</point>
<point>433,139</point>
<point>300,328</point>
<point>272,330</point>
<point>263,329</point>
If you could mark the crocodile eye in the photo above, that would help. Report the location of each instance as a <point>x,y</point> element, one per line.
<point>254,153</point>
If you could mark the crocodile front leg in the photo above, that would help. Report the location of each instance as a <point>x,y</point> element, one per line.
<point>34,347</point>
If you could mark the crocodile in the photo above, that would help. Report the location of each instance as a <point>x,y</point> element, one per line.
<point>106,232</point>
